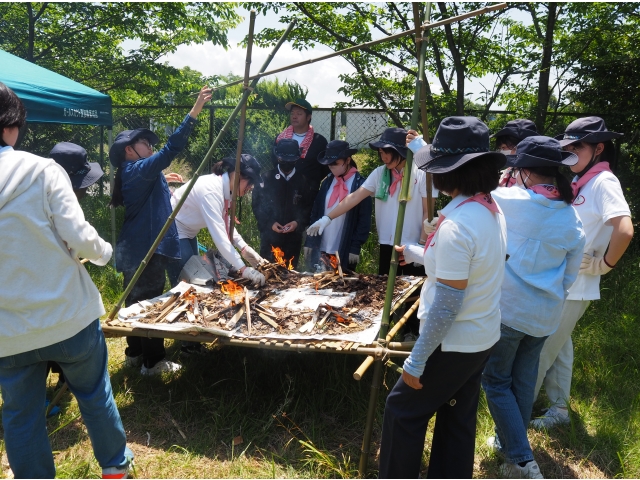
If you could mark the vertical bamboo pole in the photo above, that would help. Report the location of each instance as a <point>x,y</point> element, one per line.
<point>243,119</point>
<point>196,174</point>
<point>404,195</point>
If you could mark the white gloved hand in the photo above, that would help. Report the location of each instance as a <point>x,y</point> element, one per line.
<point>255,276</point>
<point>593,265</point>
<point>105,257</point>
<point>414,253</point>
<point>307,252</point>
<point>251,256</point>
<point>318,227</point>
<point>353,258</point>
<point>430,226</point>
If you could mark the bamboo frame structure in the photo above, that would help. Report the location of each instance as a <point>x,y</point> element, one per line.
<point>243,119</point>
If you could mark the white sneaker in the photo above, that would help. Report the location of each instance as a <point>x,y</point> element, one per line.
<point>552,417</point>
<point>115,472</point>
<point>134,362</point>
<point>163,366</point>
<point>513,470</point>
<point>494,444</point>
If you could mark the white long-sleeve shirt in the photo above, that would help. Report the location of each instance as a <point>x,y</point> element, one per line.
<point>46,294</point>
<point>205,207</point>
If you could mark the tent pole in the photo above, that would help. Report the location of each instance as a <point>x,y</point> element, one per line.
<point>101,159</point>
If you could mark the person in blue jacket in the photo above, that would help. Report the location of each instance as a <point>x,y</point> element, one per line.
<point>142,189</point>
<point>346,233</point>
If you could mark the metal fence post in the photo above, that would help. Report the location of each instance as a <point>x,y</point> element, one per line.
<point>332,135</point>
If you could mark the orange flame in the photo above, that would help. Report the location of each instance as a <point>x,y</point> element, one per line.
<point>330,261</point>
<point>280,260</point>
<point>235,291</point>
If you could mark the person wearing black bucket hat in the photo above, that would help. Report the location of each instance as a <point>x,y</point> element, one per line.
<point>545,241</point>
<point>142,189</point>
<point>347,233</point>
<point>512,133</point>
<point>459,310</point>
<point>73,158</point>
<point>310,142</point>
<point>282,205</point>
<point>207,206</point>
<point>384,185</point>
<point>606,219</point>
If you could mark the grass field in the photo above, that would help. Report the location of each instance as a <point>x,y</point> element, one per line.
<point>249,413</point>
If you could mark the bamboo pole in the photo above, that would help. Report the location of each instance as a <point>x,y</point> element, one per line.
<point>196,174</point>
<point>393,267</point>
<point>446,21</point>
<point>403,320</point>
<point>243,119</point>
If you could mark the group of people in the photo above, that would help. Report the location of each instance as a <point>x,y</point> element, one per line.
<point>511,263</point>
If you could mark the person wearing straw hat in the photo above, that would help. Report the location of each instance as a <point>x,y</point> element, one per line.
<point>207,206</point>
<point>282,204</point>
<point>384,184</point>
<point>142,189</point>
<point>512,133</point>
<point>545,241</point>
<point>459,310</point>
<point>347,233</point>
<point>49,308</point>
<point>310,142</point>
<point>606,220</point>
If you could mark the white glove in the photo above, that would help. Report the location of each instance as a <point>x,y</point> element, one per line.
<point>318,227</point>
<point>251,256</point>
<point>353,258</point>
<point>255,276</point>
<point>430,226</point>
<point>414,253</point>
<point>593,265</point>
<point>105,257</point>
<point>307,252</point>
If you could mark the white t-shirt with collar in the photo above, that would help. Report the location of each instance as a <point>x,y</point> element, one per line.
<point>471,243</point>
<point>332,235</point>
<point>599,201</point>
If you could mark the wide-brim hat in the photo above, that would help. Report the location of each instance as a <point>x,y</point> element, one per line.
<point>299,102</point>
<point>394,138</point>
<point>287,150</point>
<point>457,141</point>
<point>520,128</point>
<point>588,130</point>
<point>73,158</point>
<point>336,149</point>
<point>540,151</point>
<point>249,166</point>
<point>129,137</point>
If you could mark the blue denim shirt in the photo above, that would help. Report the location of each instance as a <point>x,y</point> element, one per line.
<point>147,203</point>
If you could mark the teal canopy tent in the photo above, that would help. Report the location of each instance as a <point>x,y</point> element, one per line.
<point>52,98</point>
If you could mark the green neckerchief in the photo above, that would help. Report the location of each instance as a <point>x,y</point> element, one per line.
<point>383,187</point>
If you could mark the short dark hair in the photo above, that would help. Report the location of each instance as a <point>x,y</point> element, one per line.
<point>12,111</point>
<point>510,140</point>
<point>395,156</point>
<point>479,175</point>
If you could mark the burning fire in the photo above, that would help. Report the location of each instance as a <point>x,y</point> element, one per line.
<point>330,261</point>
<point>280,260</point>
<point>235,291</point>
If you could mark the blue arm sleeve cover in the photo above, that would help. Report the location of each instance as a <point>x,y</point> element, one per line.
<point>442,314</point>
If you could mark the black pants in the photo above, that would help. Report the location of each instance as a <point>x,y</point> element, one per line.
<point>150,284</point>
<point>289,243</point>
<point>451,388</point>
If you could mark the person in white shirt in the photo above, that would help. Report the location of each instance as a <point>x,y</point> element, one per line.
<point>606,220</point>
<point>207,206</point>
<point>459,310</point>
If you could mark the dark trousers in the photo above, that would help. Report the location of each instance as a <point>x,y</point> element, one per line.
<point>289,243</point>
<point>451,388</point>
<point>384,263</point>
<point>150,284</point>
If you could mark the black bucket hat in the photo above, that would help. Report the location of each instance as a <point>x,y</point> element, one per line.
<point>395,138</point>
<point>587,129</point>
<point>73,158</point>
<point>520,128</point>
<point>129,137</point>
<point>540,151</point>
<point>287,150</point>
<point>249,167</point>
<point>299,102</point>
<point>336,149</point>
<point>458,140</point>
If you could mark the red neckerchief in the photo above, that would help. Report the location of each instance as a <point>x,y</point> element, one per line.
<point>396,179</point>
<point>548,191</point>
<point>340,190</point>
<point>484,199</point>
<point>593,171</point>
<point>306,142</point>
